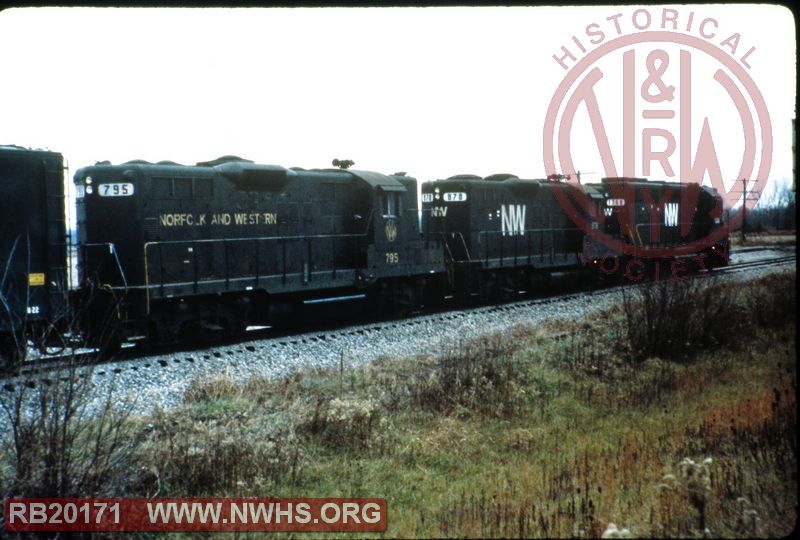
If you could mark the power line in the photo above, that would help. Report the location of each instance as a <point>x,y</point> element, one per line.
<point>752,192</point>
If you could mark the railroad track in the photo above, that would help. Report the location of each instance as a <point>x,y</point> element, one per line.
<point>49,369</point>
<point>777,261</point>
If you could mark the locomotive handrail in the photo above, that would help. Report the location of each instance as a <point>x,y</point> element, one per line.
<point>524,232</point>
<point>466,249</point>
<point>368,228</point>
<point>112,248</point>
<point>638,237</point>
<point>282,239</point>
<point>447,245</point>
<point>251,238</point>
<point>534,230</point>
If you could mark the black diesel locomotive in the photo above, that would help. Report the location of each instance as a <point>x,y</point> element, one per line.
<point>177,249</point>
<point>500,234</point>
<point>167,251</point>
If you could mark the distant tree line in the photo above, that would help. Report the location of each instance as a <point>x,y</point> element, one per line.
<point>774,212</point>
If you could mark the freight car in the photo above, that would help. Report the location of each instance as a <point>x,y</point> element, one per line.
<point>170,250</point>
<point>33,255</point>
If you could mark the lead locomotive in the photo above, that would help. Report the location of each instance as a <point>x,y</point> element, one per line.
<point>174,249</point>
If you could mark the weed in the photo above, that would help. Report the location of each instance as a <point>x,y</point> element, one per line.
<point>484,375</point>
<point>61,444</point>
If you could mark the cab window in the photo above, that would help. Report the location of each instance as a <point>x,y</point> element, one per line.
<point>391,204</point>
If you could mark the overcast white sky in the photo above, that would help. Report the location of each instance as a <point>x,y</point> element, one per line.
<point>430,91</point>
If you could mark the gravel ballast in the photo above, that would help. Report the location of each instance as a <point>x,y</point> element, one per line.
<point>162,380</point>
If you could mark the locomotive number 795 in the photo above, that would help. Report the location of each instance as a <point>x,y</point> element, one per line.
<point>116,190</point>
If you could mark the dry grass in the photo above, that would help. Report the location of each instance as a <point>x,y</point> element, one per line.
<point>776,238</point>
<point>542,432</point>
<point>227,439</point>
<point>678,319</point>
<point>552,431</point>
<point>588,466</point>
<point>525,435</point>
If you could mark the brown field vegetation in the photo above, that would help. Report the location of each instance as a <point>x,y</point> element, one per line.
<point>663,429</point>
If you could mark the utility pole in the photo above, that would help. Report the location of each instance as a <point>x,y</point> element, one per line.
<point>744,210</point>
<point>745,195</point>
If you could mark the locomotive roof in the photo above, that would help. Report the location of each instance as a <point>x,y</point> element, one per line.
<point>643,182</point>
<point>378,180</point>
<point>240,168</point>
<point>502,179</point>
<point>593,188</point>
<point>14,149</point>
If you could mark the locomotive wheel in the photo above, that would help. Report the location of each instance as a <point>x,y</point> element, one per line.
<point>232,321</point>
<point>494,289</point>
<point>404,301</point>
<point>538,282</point>
<point>402,298</point>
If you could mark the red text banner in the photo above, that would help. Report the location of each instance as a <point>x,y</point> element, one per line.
<point>196,515</point>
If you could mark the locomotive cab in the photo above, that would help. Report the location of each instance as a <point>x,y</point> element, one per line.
<point>395,239</point>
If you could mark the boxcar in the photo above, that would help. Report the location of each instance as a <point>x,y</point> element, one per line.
<point>33,283</point>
